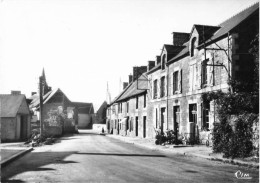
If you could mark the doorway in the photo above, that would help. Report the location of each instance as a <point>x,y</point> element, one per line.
<point>136,126</point>
<point>163,124</point>
<point>176,118</point>
<point>144,126</point>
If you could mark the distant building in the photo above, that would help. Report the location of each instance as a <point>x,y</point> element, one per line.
<point>84,115</point>
<point>100,117</point>
<point>15,117</point>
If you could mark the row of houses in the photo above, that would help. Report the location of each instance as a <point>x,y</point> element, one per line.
<point>167,93</point>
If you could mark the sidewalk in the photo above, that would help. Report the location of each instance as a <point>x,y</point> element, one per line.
<point>11,151</point>
<point>196,151</point>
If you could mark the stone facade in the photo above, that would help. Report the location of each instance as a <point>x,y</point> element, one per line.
<point>202,61</point>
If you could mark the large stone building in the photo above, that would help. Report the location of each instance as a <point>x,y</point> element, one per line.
<point>208,58</point>
<point>205,59</point>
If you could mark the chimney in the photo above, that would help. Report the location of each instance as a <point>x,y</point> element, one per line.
<point>151,65</point>
<point>15,92</point>
<point>130,78</point>
<point>138,71</point>
<point>179,38</point>
<point>125,84</point>
<point>33,93</point>
<point>158,60</point>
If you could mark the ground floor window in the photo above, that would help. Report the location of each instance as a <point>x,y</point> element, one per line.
<point>176,118</point>
<point>193,113</point>
<point>205,115</point>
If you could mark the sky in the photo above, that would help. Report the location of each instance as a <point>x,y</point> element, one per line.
<point>85,45</point>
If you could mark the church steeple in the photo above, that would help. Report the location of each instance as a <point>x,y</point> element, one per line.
<point>45,86</point>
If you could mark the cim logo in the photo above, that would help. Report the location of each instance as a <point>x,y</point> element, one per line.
<point>241,175</point>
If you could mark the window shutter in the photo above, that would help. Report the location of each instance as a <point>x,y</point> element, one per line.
<point>190,79</point>
<point>199,76</point>
<point>179,80</point>
<point>211,114</point>
<point>211,76</point>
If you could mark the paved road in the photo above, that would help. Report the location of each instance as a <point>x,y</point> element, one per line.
<point>89,157</point>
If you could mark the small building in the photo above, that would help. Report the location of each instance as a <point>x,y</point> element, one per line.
<point>100,117</point>
<point>15,117</point>
<point>83,114</point>
<point>58,113</point>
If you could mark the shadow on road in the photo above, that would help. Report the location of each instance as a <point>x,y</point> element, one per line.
<point>110,154</point>
<point>34,161</point>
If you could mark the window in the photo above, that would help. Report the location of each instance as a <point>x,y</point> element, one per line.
<point>192,46</point>
<point>193,77</point>
<point>204,79</point>
<point>177,118</point>
<point>207,73</point>
<point>163,62</point>
<point>176,81</point>
<point>136,104</point>
<point>127,107</point>
<point>155,88</point>
<point>205,115</point>
<point>193,113</point>
<point>144,100</point>
<point>162,86</point>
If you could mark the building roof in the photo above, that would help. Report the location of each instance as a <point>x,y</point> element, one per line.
<point>183,51</point>
<point>157,67</point>
<point>172,49</point>
<point>205,31</point>
<point>10,104</point>
<point>212,33</point>
<point>46,98</point>
<point>133,91</point>
<point>234,21</point>
<point>83,107</point>
<point>120,94</point>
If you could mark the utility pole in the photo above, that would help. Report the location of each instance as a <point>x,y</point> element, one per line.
<point>41,105</point>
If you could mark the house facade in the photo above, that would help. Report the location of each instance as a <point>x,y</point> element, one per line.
<point>211,57</point>
<point>204,60</point>
<point>127,113</point>
<point>15,117</point>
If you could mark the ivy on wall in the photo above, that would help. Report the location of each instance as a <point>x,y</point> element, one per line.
<point>237,113</point>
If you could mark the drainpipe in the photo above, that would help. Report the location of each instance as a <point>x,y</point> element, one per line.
<point>167,74</point>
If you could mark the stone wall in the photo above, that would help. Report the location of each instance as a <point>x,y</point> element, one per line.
<point>8,129</point>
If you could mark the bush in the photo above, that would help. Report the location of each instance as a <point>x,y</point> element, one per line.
<point>236,112</point>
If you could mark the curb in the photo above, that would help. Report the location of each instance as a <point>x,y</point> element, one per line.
<point>15,156</point>
<point>234,162</point>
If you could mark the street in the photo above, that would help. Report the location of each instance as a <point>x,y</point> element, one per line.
<point>90,157</point>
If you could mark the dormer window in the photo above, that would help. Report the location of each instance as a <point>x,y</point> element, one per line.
<point>192,48</point>
<point>163,62</point>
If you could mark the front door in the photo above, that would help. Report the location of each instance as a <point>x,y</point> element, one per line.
<point>144,126</point>
<point>176,115</point>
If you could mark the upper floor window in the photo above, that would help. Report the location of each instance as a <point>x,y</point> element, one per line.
<point>207,73</point>
<point>192,48</point>
<point>162,87</point>
<point>127,107</point>
<point>144,100</point>
<point>176,79</point>
<point>163,62</point>
<point>155,88</point>
<point>136,104</point>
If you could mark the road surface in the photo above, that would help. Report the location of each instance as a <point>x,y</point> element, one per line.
<point>90,157</point>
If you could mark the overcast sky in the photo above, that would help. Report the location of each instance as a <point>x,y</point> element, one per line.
<point>83,44</point>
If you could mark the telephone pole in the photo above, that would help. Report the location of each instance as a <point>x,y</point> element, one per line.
<point>41,105</point>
